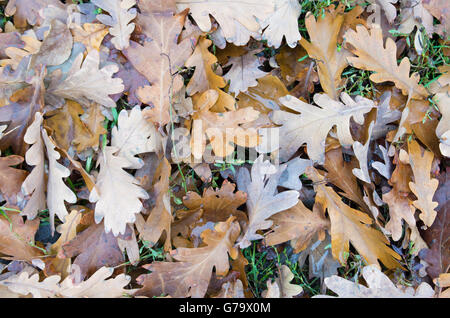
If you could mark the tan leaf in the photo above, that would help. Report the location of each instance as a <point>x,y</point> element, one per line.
<point>423,186</point>
<point>91,129</point>
<point>90,34</point>
<point>298,225</point>
<point>263,201</point>
<point>400,208</point>
<point>86,81</point>
<point>68,231</point>
<point>159,57</point>
<point>296,128</point>
<point>443,128</point>
<point>34,184</point>
<point>373,55</point>
<point>361,151</point>
<point>92,249</point>
<point>283,23</point>
<point>133,135</point>
<point>119,18</point>
<point>234,18</point>
<point>57,191</point>
<point>379,286</point>
<point>243,73</point>
<point>97,286</point>
<point>159,221</point>
<point>117,193</point>
<point>222,129</point>
<point>28,11</point>
<point>190,275</point>
<point>350,225</point>
<point>282,288</point>
<point>322,47</point>
<point>11,179</point>
<point>17,237</point>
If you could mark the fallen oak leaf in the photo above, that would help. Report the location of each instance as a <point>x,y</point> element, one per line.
<point>379,285</point>
<point>263,201</point>
<point>350,225</point>
<point>423,186</point>
<point>373,55</point>
<point>297,129</point>
<point>120,15</point>
<point>28,11</point>
<point>190,275</point>
<point>86,81</point>
<point>282,288</point>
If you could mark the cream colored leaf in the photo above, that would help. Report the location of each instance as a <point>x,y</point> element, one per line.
<point>57,191</point>
<point>34,184</point>
<point>243,73</point>
<point>372,54</point>
<point>118,196</point>
<point>361,151</point>
<point>400,208</point>
<point>133,135</point>
<point>385,169</point>
<point>283,23</point>
<point>282,288</point>
<point>443,128</point>
<point>379,286</point>
<point>119,18</point>
<point>86,81</point>
<point>229,14</point>
<point>24,284</point>
<point>313,123</point>
<point>263,201</point>
<point>423,186</point>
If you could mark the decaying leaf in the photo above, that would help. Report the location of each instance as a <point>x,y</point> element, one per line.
<point>190,276</point>
<point>263,201</point>
<point>350,225</point>
<point>379,286</point>
<point>119,18</point>
<point>296,128</point>
<point>282,288</point>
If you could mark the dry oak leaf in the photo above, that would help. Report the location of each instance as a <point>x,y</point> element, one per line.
<point>217,205</point>
<point>117,193</point>
<point>90,34</point>
<point>28,11</point>
<point>437,236</point>
<point>87,82</point>
<point>20,113</point>
<point>340,174</point>
<point>298,225</point>
<point>133,135</point>
<point>11,179</point>
<point>191,274</point>
<point>313,123</point>
<point>204,77</point>
<point>68,231</point>
<point>379,286</point>
<point>222,129</point>
<point>160,219</point>
<point>233,289</point>
<point>443,128</point>
<point>120,15</point>
<point>97,286</point>
<point>92,249</point>
<point>34,185</point>
<point>443,281</point>
<point>16,54</point>
<point>17,237</point>
<point>236,19</point>
<point>423,186</point>
<point>323,35</point>
<point>361,152</point>
<point>263,201</point>
<point>69,128</point>
<point>400,208</point>
<point>56,47</point>
<point>160,58</point>
<point>350,225</point>
<point>283,23</point>
<point>243,73</point>
<point>265,96</point>
<point>373,55</point>
<point>57,191</point>
<point>281,287</point>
